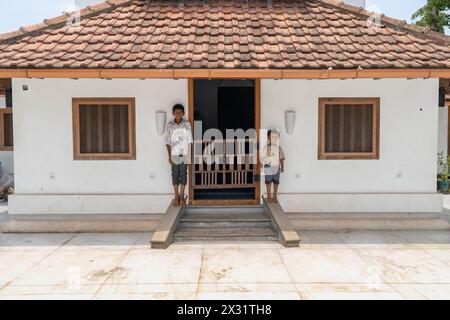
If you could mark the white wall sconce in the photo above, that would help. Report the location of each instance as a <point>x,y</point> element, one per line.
<point>289,122</point>
<point>160,118</point>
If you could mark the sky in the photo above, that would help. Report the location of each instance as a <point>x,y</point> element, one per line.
<point>17,13</point>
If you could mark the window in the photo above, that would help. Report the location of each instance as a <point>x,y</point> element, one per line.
<point>104,129</point>
<point>349,128</point>
<point>6,129</point>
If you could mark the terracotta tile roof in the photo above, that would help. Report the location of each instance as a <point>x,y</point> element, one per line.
<point>289,34</point>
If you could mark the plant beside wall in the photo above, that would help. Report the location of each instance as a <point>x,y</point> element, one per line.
<point>443,162</point>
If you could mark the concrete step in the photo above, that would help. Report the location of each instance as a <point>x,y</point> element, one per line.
<point>225,220</point>
<point>234,216</point>
<point>224,209</point>
<point>226,239</point>
<point>226,224</point>
<point>242,223</point>
<point>225,234</point>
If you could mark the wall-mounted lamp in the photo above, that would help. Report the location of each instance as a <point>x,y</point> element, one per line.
<point>160,118</point>
<point>289,122</point>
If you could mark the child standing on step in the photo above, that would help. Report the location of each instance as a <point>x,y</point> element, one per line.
<point>178,142</point>
<point>273,161</point>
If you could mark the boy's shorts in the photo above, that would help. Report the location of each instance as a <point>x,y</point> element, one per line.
<point>272,175</point>
<point>179,172</point>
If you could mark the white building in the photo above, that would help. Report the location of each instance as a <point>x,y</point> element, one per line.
<point>365,100</point>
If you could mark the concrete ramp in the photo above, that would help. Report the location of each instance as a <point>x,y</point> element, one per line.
<point>163,236</point>
<point>287,235</point>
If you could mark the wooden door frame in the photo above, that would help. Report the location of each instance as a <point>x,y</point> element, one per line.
<point>257,109</point>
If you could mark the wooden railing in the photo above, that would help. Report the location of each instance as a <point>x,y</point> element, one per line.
<point>225,164</point>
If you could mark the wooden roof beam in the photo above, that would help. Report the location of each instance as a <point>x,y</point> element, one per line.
<point>225,73</point>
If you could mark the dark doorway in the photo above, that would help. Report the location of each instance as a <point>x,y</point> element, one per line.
<point>224,104</point>
<point>236,108</point>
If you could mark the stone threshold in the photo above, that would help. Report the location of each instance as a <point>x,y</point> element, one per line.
<point>80,223</point>
<point>369,221</point>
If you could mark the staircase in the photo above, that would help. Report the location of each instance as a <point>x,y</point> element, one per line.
<point>247,223</point>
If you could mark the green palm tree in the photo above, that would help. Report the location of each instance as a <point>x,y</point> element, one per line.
<point>435,15</point>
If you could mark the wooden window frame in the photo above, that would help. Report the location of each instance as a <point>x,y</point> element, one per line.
<point>130,102</point>
<point>375,154</point>
<point>4,111</point>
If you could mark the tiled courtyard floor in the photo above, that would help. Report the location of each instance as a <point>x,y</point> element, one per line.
<point>328,265</point>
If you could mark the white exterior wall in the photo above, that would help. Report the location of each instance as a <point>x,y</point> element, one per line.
<point>408,145</point>
<point>44,148</point>
<point>404,179</point>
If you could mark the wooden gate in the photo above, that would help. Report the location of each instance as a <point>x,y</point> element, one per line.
<point>225,164</point>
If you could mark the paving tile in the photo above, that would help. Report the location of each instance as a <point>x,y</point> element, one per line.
<point>143,242</point>
<point>424,291</point>
<point>403,266</point>
<point>247,290</point>
<point>243,266</point>
<point>374,239</point>
<point>33,241</point>
<point>14,263</point>
<point>147,288</point>
<point>46,297</point>
<point>327,265</point>
<point>321,239</point>
<point>439,237</point>
<point>13,290</point>
<point>146,296</point>
<point>248,296</point>
<point>187,246</point>
<point>73,268</point>
<point>427,239</point>
<point>242,245</point>
<point>347,291</point>
<point>158,267</point>
<point>440,254</point>
<point>4,237</point>
<point>99,241</point>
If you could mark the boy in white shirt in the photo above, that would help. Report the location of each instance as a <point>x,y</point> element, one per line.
<point>178,142</point>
